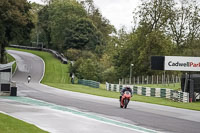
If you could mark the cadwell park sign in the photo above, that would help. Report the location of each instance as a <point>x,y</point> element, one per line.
<point>180,63</point>
<point>189,82</point>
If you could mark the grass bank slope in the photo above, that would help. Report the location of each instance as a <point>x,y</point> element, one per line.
<point>9,124</point>
<point>55,71</point>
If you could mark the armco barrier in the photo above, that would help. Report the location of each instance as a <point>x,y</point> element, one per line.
<point>174,95</point>
<point>55,53</point>
<point>90,83</point>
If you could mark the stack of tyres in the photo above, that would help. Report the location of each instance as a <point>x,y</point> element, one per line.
<point>163,93</point>
<point>135,89</point>
<point>153,92</point>
<point>13,91</point>
<point>143,91</point>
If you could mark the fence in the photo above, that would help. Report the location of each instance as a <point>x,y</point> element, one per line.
<point>154,92</point>
<point>90,83</point>
<point>55,53</point>
<point>153,79</point>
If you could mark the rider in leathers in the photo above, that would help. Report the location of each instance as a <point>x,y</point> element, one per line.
<point>125,89</point>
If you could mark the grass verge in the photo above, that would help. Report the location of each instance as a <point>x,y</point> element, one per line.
<point>50,80</point>
<point>176,86</point>
<point>9,124</point>
<point>11,59</point>
<point>55,71</point>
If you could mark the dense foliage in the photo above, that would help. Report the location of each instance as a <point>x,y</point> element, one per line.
<point>15,23</point>
<point>99,52</point>
<point>65,24</point>
<point>162,28</point>
<point>80,32</point>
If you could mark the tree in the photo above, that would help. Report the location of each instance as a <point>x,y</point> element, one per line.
<point>63,14</point>
<point>123,55</point>
<point>87,67</point>
<point>155,14</point>
<point>83,36</point>
<point>101,23</point>
<point>155,43</point>
<point>55,18</point>
<point>184,24</point>
<point>73,54</point>
<point>193,50</point>
<point>44,26</point>
<point>146,40</point>
<point>15,22</point>
<point>36,33</point>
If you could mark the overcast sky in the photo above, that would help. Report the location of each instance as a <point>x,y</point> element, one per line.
<point>119,12</point>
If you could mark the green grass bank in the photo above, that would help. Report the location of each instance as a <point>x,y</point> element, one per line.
<point>55,71</point>
<point>11,59</point>
<point>9,124</point>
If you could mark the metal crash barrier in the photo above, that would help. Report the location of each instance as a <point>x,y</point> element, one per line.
<point>90,83</point>
<point>55,53</point>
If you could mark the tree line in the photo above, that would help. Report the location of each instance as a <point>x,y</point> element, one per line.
<point>99,52</point>
<point>15,23</point>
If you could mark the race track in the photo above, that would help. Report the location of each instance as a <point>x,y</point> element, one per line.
<point>105,115</point>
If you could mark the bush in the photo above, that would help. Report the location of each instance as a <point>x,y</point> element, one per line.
<point>89,69</point>
<point>109,75</point>
<point>73,54</point>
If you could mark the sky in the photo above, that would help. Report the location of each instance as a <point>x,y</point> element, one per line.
<point>118,12</point>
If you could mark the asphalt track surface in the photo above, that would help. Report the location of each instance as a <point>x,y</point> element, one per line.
<point>147,116</point>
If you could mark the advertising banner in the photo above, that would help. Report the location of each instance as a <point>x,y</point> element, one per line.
<point>180,63</point>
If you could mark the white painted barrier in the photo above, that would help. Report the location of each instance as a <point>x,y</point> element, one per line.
<point>155,92</point>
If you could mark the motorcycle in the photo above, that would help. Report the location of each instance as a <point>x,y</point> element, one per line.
<point>125,99</point>
<point>29,78</point>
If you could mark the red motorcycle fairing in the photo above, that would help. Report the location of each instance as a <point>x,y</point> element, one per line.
<point>125,99</point>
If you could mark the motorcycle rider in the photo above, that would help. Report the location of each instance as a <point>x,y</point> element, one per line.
<point>123,90</point>
<point>29,78</point>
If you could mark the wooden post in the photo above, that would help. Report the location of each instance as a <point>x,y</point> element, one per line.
<point>173,80</point>
<point>168,79</point>
<point>142,79</point>
<point>157,79</point>
<point>164,78</point>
